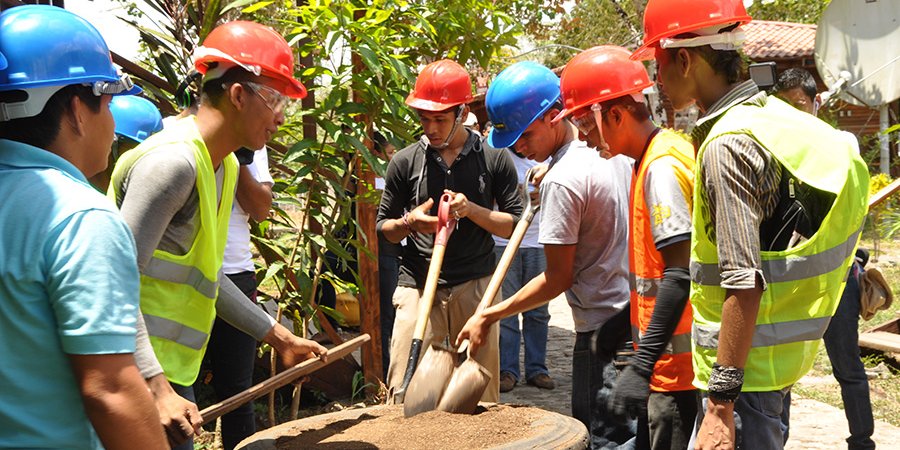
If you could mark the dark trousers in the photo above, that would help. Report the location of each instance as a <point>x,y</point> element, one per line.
<point>842,344</point>
<point>231,354</point>
<point>593,379</point>
<point>388,273</point>
<point>671,420</point>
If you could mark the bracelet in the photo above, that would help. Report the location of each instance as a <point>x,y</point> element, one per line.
<point>725,383</point>
<point>412,233</point>
<point>406,222</point>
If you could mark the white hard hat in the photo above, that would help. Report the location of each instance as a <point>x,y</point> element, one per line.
<point>471,120</point>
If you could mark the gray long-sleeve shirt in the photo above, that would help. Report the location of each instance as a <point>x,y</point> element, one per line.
<point>158,198</point>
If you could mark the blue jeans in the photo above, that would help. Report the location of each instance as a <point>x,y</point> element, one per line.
<point>388,273</point>
<point>528,263</point>
<point>760,420</point>
<point>842,344</point>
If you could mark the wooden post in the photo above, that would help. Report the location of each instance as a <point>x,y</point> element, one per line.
<point>369,298</point>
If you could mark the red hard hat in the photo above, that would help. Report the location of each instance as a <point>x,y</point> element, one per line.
<point>667,18</point>
<point>440,86</point>
<point>599,74</point>
<point>255,47</point>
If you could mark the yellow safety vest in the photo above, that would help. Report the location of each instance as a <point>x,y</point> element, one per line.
<point>804,282</point>
<point>178,292</point>
<point>673,371</point>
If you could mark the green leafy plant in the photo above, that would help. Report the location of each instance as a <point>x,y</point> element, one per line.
<point>359,387</point>
<point>360,61</point>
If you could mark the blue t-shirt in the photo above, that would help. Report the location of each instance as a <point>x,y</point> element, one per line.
<point>69,284</point>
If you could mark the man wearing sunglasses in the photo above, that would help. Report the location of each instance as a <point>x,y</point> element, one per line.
<point>176,190</point>
<point>602,91</point>
<point>584,201</point>
<point>68,278</point>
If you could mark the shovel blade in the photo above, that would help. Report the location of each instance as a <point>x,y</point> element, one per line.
<point>466,387</point>
<point>429,381</point>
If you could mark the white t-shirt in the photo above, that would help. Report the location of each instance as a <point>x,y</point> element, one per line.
<point>237,249</point>
<point>584,201</point>
<point>531,236</point>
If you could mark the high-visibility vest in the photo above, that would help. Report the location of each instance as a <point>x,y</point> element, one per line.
<point>178,292</point>
<point>673,371</point>
<point>804,282</point>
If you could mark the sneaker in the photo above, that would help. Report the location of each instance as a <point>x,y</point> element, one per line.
<point>507,381</point>
<point>542,381</point>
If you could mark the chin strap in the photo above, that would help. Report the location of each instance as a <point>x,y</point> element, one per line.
<point>456,125</point>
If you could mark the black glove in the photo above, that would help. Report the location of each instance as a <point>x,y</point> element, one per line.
<point>629,396</point>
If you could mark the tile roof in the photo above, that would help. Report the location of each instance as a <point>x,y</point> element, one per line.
<point>778,40</point>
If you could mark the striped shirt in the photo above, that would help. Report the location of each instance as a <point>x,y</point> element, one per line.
<point>739,181</point>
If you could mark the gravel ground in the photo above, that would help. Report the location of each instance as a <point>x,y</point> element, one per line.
<point>814,425</point>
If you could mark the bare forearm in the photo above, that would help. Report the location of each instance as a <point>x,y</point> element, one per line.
<point>118,403</point>
<point>254,197</point>
<point>394,230</point>
<point>495,222</point>
<point>738,325</point>
<point>536,292</point>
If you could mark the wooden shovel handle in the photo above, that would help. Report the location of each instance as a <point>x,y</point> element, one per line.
<point>311,365</point>
<point>884,193</point>
<point>506,259</point>
<point>428,293</point>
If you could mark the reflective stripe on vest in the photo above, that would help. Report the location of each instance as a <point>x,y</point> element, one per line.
<point>189,275</point>
<point>768,334</point>
<point>792,268</point>
<point>805,282</point>
<point>673,370</point>
<point>174,331</point>
<point>645,287</point>
<point>178,292</point>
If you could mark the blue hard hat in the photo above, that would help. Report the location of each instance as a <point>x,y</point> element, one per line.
<point>519,95</point>
<point>136,117</point>
<point>2,61</point>
<point>46,48</point>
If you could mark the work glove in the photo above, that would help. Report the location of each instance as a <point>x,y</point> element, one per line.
<point>630,394</point>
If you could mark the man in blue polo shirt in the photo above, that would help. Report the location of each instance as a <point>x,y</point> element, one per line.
<point>68,269</point>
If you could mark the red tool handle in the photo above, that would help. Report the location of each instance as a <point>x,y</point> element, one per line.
<point>446,223</point>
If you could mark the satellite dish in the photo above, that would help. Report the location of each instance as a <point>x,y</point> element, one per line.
<point>861,37</point>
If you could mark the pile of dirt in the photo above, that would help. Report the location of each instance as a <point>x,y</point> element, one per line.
<point>386,428</point>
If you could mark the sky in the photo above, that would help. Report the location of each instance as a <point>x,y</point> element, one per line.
<point>102,14</point>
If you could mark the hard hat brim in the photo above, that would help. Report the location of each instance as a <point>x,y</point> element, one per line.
<point>503,139</point>
<point>295,89</point>
<point>646,52</point>
<point>135,90</point>
<point>428,105</point>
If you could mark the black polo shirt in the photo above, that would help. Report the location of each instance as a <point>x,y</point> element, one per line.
<point>485,175</point>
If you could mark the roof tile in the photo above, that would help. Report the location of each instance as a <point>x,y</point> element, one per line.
<point>779,40</point>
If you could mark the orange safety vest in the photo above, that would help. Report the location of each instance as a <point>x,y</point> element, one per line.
<point>673,370</point>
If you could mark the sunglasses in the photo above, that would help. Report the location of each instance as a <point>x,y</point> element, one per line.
<point>274,100</point>
<point>587,119</point>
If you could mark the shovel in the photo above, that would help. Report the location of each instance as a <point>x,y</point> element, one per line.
<point>446,225</point>
<point>458,389</point>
